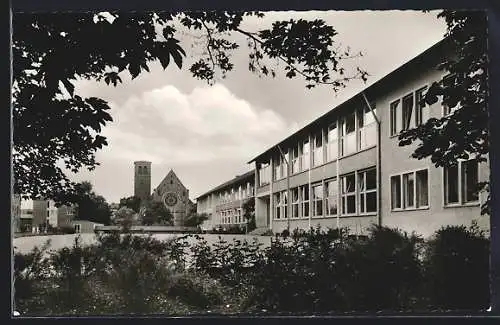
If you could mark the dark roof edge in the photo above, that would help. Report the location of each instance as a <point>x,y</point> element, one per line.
<point>379,82</point>
<point>227,183</point>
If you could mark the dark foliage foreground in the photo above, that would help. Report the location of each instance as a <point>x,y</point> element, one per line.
<point>309,272</point>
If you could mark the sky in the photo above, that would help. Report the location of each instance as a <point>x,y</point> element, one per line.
<point>207,134</point>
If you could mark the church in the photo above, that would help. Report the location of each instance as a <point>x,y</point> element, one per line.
<point>171,192</point>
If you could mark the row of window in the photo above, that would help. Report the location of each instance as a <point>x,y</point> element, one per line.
<point>142,170</point>
<point>233,194</point>
<point>351,133</point>
<point>231,216</point>
<point>411,110</point>
<point>410,190</point>
<point>358,195</point>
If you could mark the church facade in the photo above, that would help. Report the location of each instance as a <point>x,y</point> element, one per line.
<point>175,196</point>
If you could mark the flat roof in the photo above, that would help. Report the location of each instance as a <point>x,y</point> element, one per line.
<point>383,80</point>
<point>235,180</point>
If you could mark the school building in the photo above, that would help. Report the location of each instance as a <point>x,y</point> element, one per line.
<point>346,168</point>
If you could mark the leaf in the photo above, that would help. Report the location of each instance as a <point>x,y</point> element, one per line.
<point>177,58</point>
<point>164,60</point>
<point>134,70</point>
<point>69,86</point>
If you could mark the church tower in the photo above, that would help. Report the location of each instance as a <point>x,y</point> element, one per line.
<point>142,179</point>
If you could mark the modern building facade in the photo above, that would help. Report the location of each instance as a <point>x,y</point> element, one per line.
<point>45,214</point>
<point>224,203</point>
<point>346,168</point>
<point>175,196</point>
<point>142,179</point>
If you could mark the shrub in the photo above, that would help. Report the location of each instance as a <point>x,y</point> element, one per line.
<point>380,272</point>
<point>457,269</point>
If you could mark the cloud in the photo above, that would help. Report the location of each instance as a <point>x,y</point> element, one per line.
<point>210,123</point>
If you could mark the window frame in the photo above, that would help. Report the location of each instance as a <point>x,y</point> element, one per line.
<point>407,125</point>
<point>303,202</point>
<point>366,191</point>
<point>333,142</point>
<point>419,120</point>
<point>295,203</point>
<point>335,197</point>
<point>344,135</point>
<point>365,110</point>
<point>460,202</point>
<point>315,200</point>
<point>305,144</point>
<point>318,151</point>
<point>345,195</point>
<point>401,183</point>
<point>393,115</point>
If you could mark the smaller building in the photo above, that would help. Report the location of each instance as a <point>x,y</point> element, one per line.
<point>85,226</point>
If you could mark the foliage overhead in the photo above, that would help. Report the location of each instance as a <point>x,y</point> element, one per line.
<point>55,127</point>
<point>463,134</point>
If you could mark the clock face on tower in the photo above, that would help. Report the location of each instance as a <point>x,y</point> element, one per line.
<point>170,199</point>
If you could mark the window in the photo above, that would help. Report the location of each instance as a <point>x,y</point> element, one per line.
<point>451,185</point>
<point>449,81</point>
<point>422,110</point>
<point>407,115</point>
<point>331,197</point>
<point>264,174</point>
<point>348,133</point>
<point>394,117</point>
<point>278,167</point>
<point>317,191</point>
<point>295,160</point>
<point>295,202</point>
<point>461,183</point>
<point>332,150</point>
<point>78,228</point>
<point>304,200</point>
<point>284,163</point>
<point>410,190</point>
<point>318,149</point>
<point>367,182</point>
<point>367,128</point>
<point>422,188</point>
<point>305,155</point>
<point>349,194</point>
<point>280,205</point>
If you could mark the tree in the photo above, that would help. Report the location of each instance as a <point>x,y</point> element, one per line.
<point>90,206</point>
<point>155,213</point>
<point>131,202</point>
<point>54,124</point>
<point>195,219</point>
<point>126,218</point>
<point>249,214</point>
<point>464,133</point>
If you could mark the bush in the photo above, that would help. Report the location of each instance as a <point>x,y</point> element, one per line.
<point>311,271</point>
<point>457,269</point>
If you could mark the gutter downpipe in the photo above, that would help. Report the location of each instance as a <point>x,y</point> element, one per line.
<point>339,185</point>
<point>379,156</point>
<point>287,189</point>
